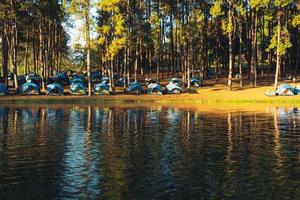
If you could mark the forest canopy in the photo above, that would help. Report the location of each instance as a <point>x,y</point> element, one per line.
<point>247,39</point>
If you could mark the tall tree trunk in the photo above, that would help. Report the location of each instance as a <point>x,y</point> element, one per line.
<point>277,50</point>
<point>136,60</point>
<point>240,54</point>
<point>254,51</point>
<point>230,38</point>
<point>4,57</point>
<point>26,51</point>
<point>14,44</point>
<point>88,47</point>
<point>42,50</point>
<point>297,54</point>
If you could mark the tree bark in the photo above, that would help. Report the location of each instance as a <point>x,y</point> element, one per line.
<point>277,51</point>
<point>254,51</point>
<point>88,47</point>
<point>4,57</point>
<point>230,38</point>
<point>14,43</point>
<point>240,55</point>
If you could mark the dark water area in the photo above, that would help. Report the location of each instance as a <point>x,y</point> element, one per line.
<point>148,153</point>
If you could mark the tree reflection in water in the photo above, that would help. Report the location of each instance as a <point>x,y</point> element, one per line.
<point>148,153</point>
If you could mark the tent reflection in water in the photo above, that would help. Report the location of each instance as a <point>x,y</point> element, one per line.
<point>284,90</point>
<point>3,89</point>
<point>54,89</point>
<point>29,88</point>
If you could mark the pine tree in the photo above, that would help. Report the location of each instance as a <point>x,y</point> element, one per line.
<point>82,10</point>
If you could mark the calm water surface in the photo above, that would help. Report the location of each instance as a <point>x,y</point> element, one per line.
<point>148,153</point>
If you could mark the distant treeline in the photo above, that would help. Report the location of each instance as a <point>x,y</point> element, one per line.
<point>244,37</point>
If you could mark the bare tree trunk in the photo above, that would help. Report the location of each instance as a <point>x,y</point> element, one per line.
<point>26,51</point>
<point>88,48</point>
<point>14,44</point>
<point>254,51</point>
<point>297,54</point>
<point>4,57</point>
<point>230,37</point>
<point>240,55</point>
<point>277,51</point>
<point>136,60</point>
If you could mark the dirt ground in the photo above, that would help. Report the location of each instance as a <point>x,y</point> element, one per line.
<point>212,91</point>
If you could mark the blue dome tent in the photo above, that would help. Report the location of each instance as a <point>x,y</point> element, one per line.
<point>121,82</point>
<point>105,80</point>
<point>174,87</point>
<point>284,90</point>
<point>54,89</point>
<point>51,80</point>
<point>3,89</point>
<point>78,88</point>
<point>95,76</point>
<point>29,88</point>
<point>21,80</point>
<point>135,87</point>
<point>176,81</point>
<point>77,79</point>
<point>196,82</point>
<point>34,78</point>
<point>154,88</point>
<point>63,79</point>
<point>101,88</point>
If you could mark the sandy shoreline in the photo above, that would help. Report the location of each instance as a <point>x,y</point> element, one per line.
<point>206,95</point>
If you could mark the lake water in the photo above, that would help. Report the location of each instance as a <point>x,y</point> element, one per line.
<point>154,152</point>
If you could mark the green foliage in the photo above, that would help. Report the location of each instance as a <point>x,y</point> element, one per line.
<point>81,9</point>
<point>284,42</point>
<point>257,4</point>
<point>112,32</point>
<point>296,21</point>
<point>216,9</point>
<point>282,3</point>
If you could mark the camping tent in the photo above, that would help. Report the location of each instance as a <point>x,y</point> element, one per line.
<point>176,81</point>
<point>3,89</point>
<point>105,80</point>
<point>54,89</point>
<point>154,88</point>
<point>63,79</point>
<point>77,79</point>
<point>284,90</point>
<point>135,87</point>
<point>29,88</point>
<point>95,76</point>
<point>51,80</point>
<point>173,88</point>
<point>34,78</point>
<point>195,82</point>
<point>21,80</point>
<point>121,82</point>
<point>101,88</point>
<point>78,88</point>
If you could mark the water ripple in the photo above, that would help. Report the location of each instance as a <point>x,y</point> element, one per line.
<point>148,153</point>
